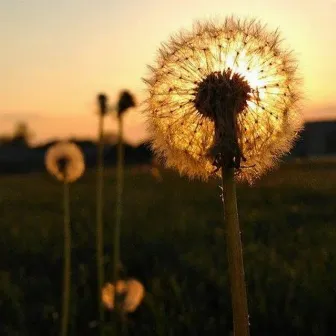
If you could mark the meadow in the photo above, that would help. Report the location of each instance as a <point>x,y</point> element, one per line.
<point>173,241</point>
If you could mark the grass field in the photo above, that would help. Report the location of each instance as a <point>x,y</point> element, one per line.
<point>173,240</point>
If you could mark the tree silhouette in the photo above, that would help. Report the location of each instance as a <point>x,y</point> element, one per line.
<point>21,134</point>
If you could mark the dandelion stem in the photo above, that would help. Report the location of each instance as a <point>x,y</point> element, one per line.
<point>99,219</point>
<point>67,260</point>
<point>120,178</point>
<point>235,254</point>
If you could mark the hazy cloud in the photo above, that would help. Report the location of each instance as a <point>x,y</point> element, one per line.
<point>322,112</point>
<point>20,115</point>
<point>331,109</point>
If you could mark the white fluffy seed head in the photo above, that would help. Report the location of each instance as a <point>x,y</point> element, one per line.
<point>65,161</point>
<point>186,136</point>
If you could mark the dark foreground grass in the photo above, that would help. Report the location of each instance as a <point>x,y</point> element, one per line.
<point>173,240</point>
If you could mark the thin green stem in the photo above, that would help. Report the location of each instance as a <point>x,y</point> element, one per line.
<point>99,219</point>
<point>118,214</point>
<point>235,254</point>
<point>67,261</point>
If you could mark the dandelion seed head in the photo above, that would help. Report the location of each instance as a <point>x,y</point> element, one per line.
<point>223,94</point>
<point>65,161</point>
<point>131,292</point>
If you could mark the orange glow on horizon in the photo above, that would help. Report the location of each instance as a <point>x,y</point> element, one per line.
<point>57,58</point>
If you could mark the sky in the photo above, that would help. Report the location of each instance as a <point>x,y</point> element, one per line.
<point>56,56</point>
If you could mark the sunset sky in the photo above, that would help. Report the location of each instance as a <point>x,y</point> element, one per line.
<point>57,55</point>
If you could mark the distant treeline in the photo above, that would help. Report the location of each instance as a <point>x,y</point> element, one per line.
<point>18,157</point>
<point>317,139</point>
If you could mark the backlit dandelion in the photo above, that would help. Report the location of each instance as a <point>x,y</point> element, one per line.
<point>223,90</point>
<point>223,99</point>
<point>131,292</point>
<point>65,161</point>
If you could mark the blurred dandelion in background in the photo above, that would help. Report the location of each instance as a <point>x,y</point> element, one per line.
<point>125,102</point>
<point>102,112</point>
<point>131,293</point>
<point>65,161</point>
<point>224,99</point>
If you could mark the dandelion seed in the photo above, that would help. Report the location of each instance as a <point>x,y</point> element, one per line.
<point>65,161</point>
<point>223,91</point>
<point>131,292</point>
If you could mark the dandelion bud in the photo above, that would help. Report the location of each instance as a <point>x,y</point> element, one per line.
<point>126,101</point>
<point>223,95</point>
<point>102,101</point>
